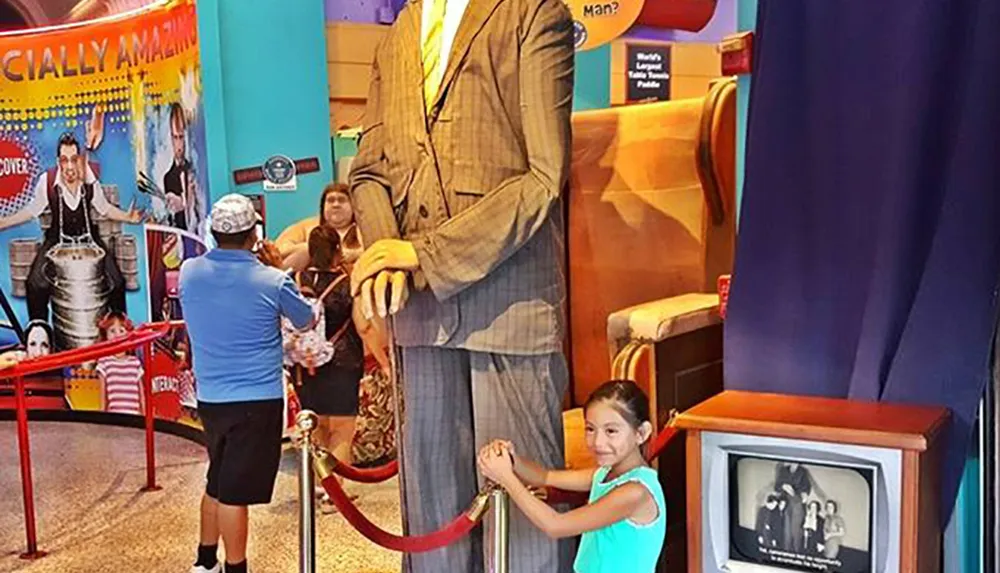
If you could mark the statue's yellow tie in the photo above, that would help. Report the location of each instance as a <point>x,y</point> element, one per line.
<point>431,53</point>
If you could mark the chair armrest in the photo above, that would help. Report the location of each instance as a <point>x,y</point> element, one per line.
<point>659,320</point>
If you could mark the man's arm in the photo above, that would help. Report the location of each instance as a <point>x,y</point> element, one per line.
<point>369,185</point>
<point>33,209</point>
<point>469,246</point>
<point>373,335</point>
<point>104,207</point>
<point>292,305</point>
<point>10,358</point>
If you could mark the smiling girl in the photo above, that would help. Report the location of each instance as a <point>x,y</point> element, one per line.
<point>624,522</point>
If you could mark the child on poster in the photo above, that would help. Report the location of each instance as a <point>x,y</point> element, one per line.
<point>121,374</point>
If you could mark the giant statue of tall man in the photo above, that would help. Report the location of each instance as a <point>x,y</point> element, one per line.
<point>463,156</point>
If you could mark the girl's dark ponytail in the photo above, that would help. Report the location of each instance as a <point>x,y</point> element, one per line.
<point>626,397</point>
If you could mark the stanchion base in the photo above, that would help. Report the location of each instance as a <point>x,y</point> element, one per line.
<point>150,488</point>
<point>32,555</point>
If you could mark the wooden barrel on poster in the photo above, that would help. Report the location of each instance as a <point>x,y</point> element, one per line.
<point>22,254</point>
<point>111,194</point>
<point>128,261</point>
<point>108,229</point>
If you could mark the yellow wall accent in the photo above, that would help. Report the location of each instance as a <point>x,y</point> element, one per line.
<point>350,51</point>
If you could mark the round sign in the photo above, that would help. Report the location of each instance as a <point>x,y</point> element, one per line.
<point>579,34</point>
<point>279,170</point>
<point>596,23</point>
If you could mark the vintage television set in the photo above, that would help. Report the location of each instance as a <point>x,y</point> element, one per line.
<point>782,484</point>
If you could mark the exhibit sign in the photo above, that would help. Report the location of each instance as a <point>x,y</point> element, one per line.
<point>275,169</point>
<point>597,23</point>
<point>279,174</point>
<point>647,73</point>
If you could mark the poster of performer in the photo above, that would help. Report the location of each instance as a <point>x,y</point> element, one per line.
<point>101,134</point>
<point>174,390</point>
<point>177,186</point>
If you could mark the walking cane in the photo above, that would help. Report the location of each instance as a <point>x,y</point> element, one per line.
<point>397,393</point>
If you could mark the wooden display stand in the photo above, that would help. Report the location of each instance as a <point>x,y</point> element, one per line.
<point>914,430</point>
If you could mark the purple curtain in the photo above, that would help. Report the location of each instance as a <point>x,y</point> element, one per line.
<point>869,250</point>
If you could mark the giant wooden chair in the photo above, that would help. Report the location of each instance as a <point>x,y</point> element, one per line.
<point>651,227</point>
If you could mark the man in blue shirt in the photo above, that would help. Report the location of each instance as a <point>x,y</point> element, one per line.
<point>233,301</point>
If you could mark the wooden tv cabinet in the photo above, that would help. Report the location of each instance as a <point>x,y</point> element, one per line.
<point>914,430</point>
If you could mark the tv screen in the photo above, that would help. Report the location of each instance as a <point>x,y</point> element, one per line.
<point>800,516</point>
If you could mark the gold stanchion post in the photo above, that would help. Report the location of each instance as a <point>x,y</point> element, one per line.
<point>306,422</point>
<point>501,531</point>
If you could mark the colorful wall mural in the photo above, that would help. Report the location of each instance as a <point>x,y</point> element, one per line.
<point>103,188</point>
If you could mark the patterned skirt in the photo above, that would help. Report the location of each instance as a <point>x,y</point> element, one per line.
<point>375,433</point>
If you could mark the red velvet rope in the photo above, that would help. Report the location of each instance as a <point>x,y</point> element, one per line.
<point>450,533</point>
<point>365,475</point>
<point>555,496</point>
<point>659,443</point>
<point>138,337</point>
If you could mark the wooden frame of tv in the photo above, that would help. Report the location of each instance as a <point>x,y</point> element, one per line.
<point>915,430</point>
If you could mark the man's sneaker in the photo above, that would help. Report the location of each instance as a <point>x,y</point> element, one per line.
<point>200,569</point>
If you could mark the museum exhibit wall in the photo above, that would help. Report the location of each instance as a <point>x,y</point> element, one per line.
<point>266,78</point>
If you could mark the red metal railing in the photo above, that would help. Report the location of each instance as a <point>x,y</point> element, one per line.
<point>143,336</point>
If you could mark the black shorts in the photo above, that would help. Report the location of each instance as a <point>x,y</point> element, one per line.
<point>244,450</point>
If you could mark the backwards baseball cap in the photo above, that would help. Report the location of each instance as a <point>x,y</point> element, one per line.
<point>233,214</point>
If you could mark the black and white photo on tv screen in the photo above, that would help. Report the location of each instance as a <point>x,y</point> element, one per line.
<point>800,516</point>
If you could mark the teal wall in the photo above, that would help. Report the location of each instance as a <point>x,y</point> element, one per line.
<point>592,89</point>
<point>962,541</point>
<point>265,80</point>
<point>344,147</point>
<point>968,506</point>
<point>746,19</point>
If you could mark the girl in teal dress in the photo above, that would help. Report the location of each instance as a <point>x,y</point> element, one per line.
<point>625,520</point>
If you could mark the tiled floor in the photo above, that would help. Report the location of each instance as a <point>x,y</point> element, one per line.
<point>92,518</point>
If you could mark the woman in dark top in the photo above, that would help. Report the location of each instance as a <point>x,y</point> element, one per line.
<point>331,388</point>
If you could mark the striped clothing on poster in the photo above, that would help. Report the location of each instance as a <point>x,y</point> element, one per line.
<point>122,378</point>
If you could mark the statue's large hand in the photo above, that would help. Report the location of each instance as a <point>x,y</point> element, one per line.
<point>383,266</point>
<point>373,293</point>
<point>384,255</point>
